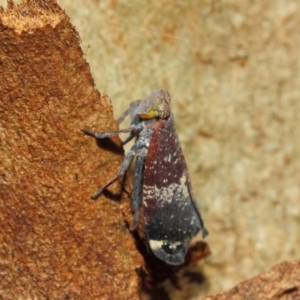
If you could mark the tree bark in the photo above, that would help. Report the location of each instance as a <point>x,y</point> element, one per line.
<point>56,242</point>
<point>282,282</point>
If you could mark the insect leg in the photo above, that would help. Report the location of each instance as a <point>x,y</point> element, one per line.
<point>128,139</point>
<point>125,164</point>
<point>138,188</point>
<point>101,135</point>
<point>130,110</point>
<point>134,119</point>
<point>124,115</point>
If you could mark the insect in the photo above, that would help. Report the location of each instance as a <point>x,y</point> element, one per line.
<point>162,187</point>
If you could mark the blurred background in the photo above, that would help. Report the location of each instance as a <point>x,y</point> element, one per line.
<point>233,71</point>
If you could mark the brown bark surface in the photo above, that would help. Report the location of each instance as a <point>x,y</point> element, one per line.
<point>55,242</point>
<point>282,282</point>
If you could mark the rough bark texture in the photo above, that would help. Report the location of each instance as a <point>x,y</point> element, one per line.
<point>281,283</point>
<point>57,243</point>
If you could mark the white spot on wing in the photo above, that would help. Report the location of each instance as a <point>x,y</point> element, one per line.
<point>184,187</point>
<point>155,245</point>
<point>173,192</point>
<point>168,158</point>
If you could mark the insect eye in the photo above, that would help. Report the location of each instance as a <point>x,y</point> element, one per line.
<point>163,110</point>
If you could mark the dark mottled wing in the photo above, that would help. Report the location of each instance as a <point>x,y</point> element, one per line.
<point>171,218</point>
